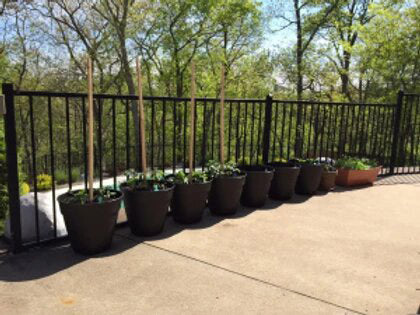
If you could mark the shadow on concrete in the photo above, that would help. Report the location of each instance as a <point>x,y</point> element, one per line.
<point>297,198</point>
<point>47,260</point>
<point>172,227</point>
<point>42,262</point>
<point>340,189</point>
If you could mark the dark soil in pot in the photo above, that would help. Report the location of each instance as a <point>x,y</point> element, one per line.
<point>284,180</point>
<point>189,202</point>
<point>90,226</point>
<point>328,180</point>
<point>309,179</point>
<point>146,210</point>
<point>257,184</point>
<point>225,194</point>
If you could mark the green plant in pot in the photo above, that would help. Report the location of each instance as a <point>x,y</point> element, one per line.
<point>90,223</point>
<point>228,179</point>
<point>257,184</point>
<point>190,196</point>
<point>356,171</point>
<point>309,176</point>
<point>329,174</point>
<point>146,200</point>
<point>284,180</point>
<point>146,196</point>
<point>90,215</point>
<point>226,189</point>
<point>192,189</point>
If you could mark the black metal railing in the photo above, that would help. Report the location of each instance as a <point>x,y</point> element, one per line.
<point>46,132</point>
<point>332,130</point>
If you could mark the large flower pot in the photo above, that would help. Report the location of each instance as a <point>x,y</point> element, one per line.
<point>147,210</point>
<point>90,226</point>
<point>284,181</point>
<point>327,180</point>
<point>189,202</point>
<point>257,183</point>
<point>309,179</point>
<point>347,177</point>
<point>225,194</point>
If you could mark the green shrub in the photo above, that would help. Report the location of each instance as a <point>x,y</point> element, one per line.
<point>279,160</point>
<point>75,174</point>
<point>24,188</point>
<point>60,177</point>
<point>355,163</point>
<point>44,182</point>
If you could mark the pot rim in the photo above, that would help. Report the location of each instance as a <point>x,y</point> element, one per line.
<point>196,184</point>
<point>121,195</point>
<point>265,169</point>
<point>126,188</point>
<point>242,175</point>
<point>370,169</point>
<point>329,172</point>
<point>280,165</point>
<point>312,165</point>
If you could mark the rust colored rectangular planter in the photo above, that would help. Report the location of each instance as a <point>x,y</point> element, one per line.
<point>346,177</point>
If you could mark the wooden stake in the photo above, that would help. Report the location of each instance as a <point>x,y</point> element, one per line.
<point>90,120</point>
<point>141,118</point>
<point>222,117</point>
<point>192,123</point>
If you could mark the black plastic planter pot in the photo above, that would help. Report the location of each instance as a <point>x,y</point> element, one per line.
<point>189,202</point>
<point>284,181</point>
<point>90,226</point>
<point>309,179</point>
<point>225,194</point>
<point>257,184</point>
<point>147,210</point>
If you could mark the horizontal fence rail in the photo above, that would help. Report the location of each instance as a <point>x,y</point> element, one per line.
<point>48,132</point>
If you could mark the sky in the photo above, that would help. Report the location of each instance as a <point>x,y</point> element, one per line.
<point>283,38</point>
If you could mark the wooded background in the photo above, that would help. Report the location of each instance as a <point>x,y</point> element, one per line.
<point>337,50</point>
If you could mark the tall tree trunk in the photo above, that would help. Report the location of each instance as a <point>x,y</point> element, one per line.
<point>344,76</point>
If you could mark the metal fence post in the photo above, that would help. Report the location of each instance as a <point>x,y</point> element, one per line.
<point>396,131</point>
<point>267,127</point>
<point>12,168</point>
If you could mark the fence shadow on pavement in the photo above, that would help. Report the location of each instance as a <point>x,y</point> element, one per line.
<point>42,262</point>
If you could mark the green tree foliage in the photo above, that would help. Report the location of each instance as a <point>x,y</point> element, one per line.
<point>336,54</point>
<point>390,49</point>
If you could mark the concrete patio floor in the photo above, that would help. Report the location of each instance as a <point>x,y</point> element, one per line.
<point>346,252</point>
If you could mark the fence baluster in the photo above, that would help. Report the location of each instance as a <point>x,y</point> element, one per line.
<point>50,129</point>
<point>12,167</point>
<point>127,136</point>
<point>100,153</point>
<point>174,147</point>
<point>114,144</point>
<point>34,171</point>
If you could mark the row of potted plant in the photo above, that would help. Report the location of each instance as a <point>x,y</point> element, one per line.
<point>222,188</point>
